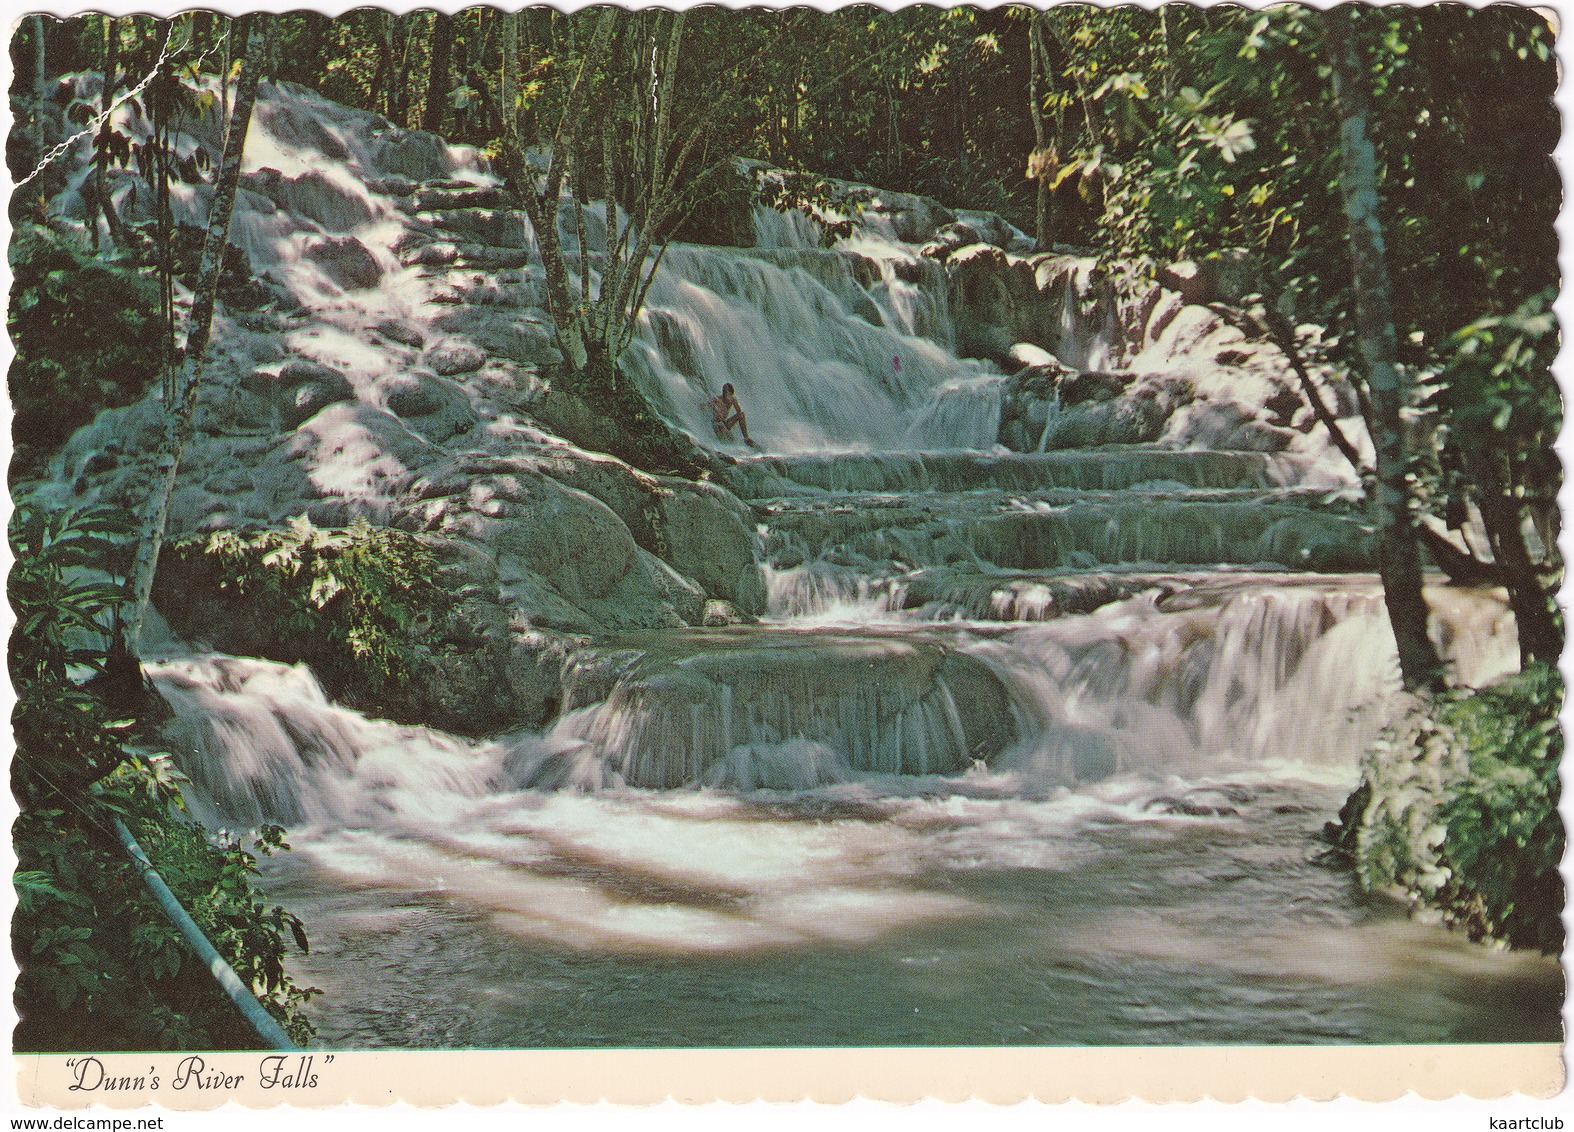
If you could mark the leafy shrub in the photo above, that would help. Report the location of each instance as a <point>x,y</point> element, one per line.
<point>100,966</point>
<point>1458,808</point>
<point>1505,837</point>
<point>348,601</point>
<point>88,336</point>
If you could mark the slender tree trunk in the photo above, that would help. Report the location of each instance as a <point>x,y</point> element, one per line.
<point>382,80</point>
<point>228,61</point>
<point>100,190</point>
<point>1398,558</point>
<point>180,412</point>
<point>509,30</point>
<point>399,96</point>
<point>1540,636</point>
<point>40,84</point>
<point>1038,167</point>
<point>568,316</point>
<point>433,111</point>
<point>163,221</point>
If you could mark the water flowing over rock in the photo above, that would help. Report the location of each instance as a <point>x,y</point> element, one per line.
<point>376,372</point>
<point>402,376</point>
<point>1041,618</point>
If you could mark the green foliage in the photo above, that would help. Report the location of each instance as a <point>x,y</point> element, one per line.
<point>814,196</point>
<point>66,736</point>
<point>1199,156</point>
<point>347,601</point>
<point>87,336</point>
<point>1458,808</point>
<point>101,967</point>
<point>1505,838</point>
<point>228,908</point>
<point>1499,394</point>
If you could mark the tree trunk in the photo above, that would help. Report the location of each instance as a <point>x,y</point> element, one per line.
<point>1038,162</point>
<point>510,34</point>
<point>40,85</point>
<point>1540,636</point>
<point>164,223</point>
<point>399,96</point>
<point>224,71</point>
<point>433,112</point>
<point>100,198</point>
<point>180,411</point>
<point>1398,558</point>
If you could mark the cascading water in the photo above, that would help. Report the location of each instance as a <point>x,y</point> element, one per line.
<point>1096,829</point>
<point>1031,748</point>
<point>828,350</point>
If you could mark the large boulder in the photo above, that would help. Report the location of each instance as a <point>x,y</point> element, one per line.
<point>706,534</point>
<point>1119,408</point>
<point>991,227</point>
<point>1032,397</point>
<point>491,227</point>
<point>573,540</point>
<point>344,260</point>
<point>1227,276</point>
<point>437,409</point>
<point>414,155</point>
<point>313,194</point>
<point>349,450</point>
<point>892,705</point>
<point>480,671</point>
<point>451,358</point>
<point>982,302</point>
<point>524,337</point>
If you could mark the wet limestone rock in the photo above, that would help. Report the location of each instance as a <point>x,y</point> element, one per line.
<point>1118,407</point>
<point>437,409</point>
<point>299,390</point>
<point>402,332</point>
<point>1226,276</point>
<point>706,534</point>
<point>480,670</point>
<point>351,451</point>
<point>345,260</point>
<point>573,540</point>
<point>1002,303</point>
<point>452,358</point>
<point>523,337</point>
<point>411,154</point>
<point>313,194</point>
<point>896,705</point>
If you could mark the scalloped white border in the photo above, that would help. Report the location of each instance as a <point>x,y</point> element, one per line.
<point>1413,1086</point>
<point>644,1077</point>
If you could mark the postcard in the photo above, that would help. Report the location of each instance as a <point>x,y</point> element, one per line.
<point>624,553</point>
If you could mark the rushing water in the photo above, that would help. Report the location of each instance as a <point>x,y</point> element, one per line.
<point>1137,861</point>
<point>1029,748</point>
<point>931,912</point>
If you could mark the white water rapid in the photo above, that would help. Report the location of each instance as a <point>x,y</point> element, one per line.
<point>843,350</point>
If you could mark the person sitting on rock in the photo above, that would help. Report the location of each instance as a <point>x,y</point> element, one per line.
<point>726,412</point>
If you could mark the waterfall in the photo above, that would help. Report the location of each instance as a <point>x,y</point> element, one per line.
<point>844,350</point>
<point>1174,680</point>
<point>261,743</point>
<point>1037,741</point>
